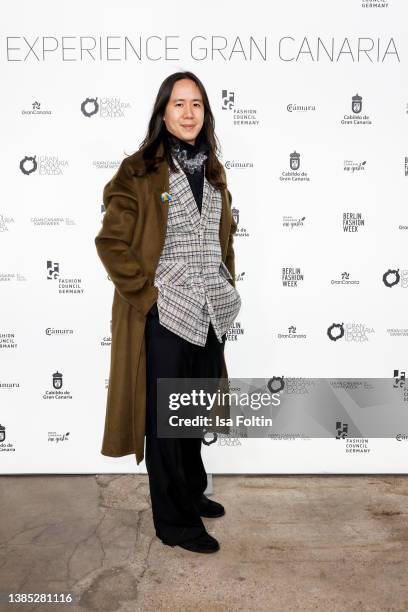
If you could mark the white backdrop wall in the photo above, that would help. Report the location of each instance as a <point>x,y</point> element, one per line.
<point>281,79</point>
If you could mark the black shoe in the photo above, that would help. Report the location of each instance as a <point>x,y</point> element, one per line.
<point>202,544</point>
<point>209,508</point>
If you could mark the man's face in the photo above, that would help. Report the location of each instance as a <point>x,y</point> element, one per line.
<point>184,114</point>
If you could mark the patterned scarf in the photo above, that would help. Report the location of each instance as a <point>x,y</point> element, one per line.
<point>190,157</point>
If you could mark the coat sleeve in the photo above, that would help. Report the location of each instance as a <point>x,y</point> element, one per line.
<point>230,258</point>
<point>113,244</point>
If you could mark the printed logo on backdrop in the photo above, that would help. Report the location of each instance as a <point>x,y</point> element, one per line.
<point>57,380</point>
<point>106,164</point>
<point>400,383</point>
<point>55,437</point>
<point>397,331</point>
<point>356,117</point>
<point>45,165</point>
<point>231,439</point>
<point>276,384</point>
<point>105,107</point>
<point>294,161</point>
<point>394,277</point>
<point>65,285</point>
<point>36,109</point>
<point>55,392</point>
<point>9,277</point>
<point>399,379</point>
<point>354,166</point>
<point>288,437</point>
<point>295,174</point>
<point>355,445</point>
<point>107,340</point>
<point>341,430</point>
<point>292,277</point>
<point>52,221</point>
<point>9,385</point>
<point>291,334</point>
<point>354,384</point>
<point>373,4</point>
<point>344,280</point>
<point>292,385</point>
<point>8,340</point>
<point>53,331</point>
<point>241,232</point>
<point>350,332</point>
<point>234,332</point>
<point>235,165</point>
<point>351,445</point>
<point>239,277</point>
<point>300,108</point>
<point>291,222</point>
<point>352,221</point>
<point>240,116</point>
<point>210,437</point>
<point>5,222</point>
<point>5,446</point>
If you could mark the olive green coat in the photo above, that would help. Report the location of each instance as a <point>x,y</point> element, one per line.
<point>129,245</point>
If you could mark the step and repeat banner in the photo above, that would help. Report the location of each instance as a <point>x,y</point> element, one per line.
<point>311,107</point>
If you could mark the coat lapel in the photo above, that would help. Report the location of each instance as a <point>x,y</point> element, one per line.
<point>182,191</point>
<point>208,192</point>
<point>159,183</point>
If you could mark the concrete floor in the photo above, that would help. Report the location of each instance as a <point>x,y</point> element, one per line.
<point>330,543</point>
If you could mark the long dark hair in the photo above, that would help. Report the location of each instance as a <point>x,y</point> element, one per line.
<point>157,132</point>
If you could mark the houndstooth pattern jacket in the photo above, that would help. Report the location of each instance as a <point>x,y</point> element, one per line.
<point>192,281</point>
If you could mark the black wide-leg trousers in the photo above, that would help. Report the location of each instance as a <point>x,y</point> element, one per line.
<point>177,477</point>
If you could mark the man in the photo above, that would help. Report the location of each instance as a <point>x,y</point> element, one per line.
<point>180,281</point>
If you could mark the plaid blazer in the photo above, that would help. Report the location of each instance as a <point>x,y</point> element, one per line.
<point>193,283</point>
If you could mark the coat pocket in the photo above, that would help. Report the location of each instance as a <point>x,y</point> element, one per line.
<point>172,273</point>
